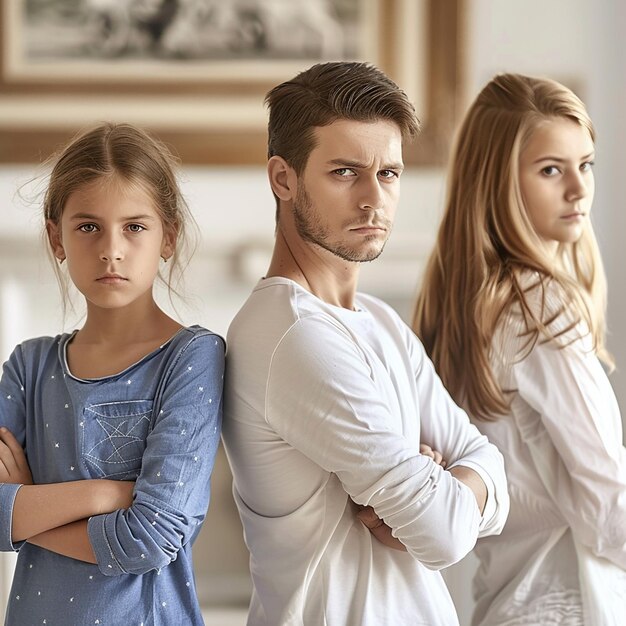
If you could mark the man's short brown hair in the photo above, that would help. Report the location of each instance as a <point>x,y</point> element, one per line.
<point>326,93</point>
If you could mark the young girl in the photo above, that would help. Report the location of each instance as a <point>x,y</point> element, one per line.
<point>120,420</point>
<point>512,311</point>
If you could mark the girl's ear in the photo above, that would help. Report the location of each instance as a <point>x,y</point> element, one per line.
<point>168,246</point>
<point>54,237</point>
<point>282,177</point>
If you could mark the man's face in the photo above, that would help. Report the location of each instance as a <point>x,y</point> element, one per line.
<point>348,193</point>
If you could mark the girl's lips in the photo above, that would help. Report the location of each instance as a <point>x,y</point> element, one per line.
<point>111,279</point>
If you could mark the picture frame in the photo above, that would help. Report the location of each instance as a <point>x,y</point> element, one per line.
<point>210,111</point>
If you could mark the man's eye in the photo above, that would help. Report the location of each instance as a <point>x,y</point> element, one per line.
<point>135,228</point>
<point>87,228</point>
<point>388,174</point>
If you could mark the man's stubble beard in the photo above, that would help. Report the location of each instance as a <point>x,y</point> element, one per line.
<point>309,227</point>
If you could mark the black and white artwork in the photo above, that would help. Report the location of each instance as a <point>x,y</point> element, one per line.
<point>197,71</point>
<point>188,30</point>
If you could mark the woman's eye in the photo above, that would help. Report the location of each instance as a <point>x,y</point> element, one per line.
<point>587,166</point>
<point>135,228</point>
<point>87,228</point>
<point>551,170</point>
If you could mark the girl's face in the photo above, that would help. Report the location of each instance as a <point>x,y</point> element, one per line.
<point>112,237</point>
<point>556,180</point>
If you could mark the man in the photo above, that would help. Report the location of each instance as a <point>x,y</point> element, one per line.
<point>329,394</point>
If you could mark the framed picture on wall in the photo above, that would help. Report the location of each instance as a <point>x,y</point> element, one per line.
<point>196,71</point>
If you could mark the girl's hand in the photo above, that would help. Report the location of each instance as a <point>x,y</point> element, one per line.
<point>13,464</point>
<point>433,454</point>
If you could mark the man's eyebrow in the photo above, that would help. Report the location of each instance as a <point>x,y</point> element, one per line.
<point>361,165</point>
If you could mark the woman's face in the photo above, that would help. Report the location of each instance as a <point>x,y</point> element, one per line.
<point>556,180</point>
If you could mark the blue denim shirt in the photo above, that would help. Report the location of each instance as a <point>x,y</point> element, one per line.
<point>158,423</point>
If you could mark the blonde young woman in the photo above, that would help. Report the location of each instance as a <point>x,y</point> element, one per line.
<point>512,311</point>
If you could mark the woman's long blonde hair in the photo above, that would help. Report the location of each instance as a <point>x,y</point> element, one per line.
<point>486,241</point>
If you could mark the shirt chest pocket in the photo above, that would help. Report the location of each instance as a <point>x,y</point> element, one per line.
<point>113,438</point>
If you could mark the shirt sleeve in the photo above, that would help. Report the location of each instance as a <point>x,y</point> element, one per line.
<point>13,417</point>
<point>325,403</point>
<point>446,428</point>
<point>172,491</point>
<point>575,414</point>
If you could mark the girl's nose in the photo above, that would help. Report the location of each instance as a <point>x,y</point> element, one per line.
<point>111,250</point>
<point>577,188</point>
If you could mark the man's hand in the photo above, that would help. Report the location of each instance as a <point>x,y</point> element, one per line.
<point>376,526</point>
<point>379,529</point>
<point>433,454</point>
<point>13,464</point>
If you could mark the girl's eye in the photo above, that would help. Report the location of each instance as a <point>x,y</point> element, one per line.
<point>88,228</point>
<point>587,166</point>
<point>135,228</point>
<point>550,170</point>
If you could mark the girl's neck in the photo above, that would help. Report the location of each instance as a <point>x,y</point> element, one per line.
<point>130,325</point>
<point>114,339</point>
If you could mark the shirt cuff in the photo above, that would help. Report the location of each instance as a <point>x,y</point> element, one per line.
<point>97,531</point>
<point>8,492</point>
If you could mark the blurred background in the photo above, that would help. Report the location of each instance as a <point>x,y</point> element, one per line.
<point>195,72</point>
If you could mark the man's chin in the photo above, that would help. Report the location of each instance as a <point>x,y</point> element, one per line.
<point>358,256</point>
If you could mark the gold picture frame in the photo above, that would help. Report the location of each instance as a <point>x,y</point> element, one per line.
<point>215,116</point>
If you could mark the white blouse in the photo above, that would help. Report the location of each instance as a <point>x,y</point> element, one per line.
<point>561,558</point>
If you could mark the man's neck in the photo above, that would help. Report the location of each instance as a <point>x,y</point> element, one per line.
<point>319,271</point>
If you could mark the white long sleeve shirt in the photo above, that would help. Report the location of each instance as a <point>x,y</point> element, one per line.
<point>561,558</point>
<point>325,409</point>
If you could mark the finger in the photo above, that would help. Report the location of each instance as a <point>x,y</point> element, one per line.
<point>437,457</point>
<point>5,475</point>
<point>12,443</point>
<point>6,456</point>
<point>426,450</point>
<point>383,534</point>
<point>369,518</point>
<point>13,448</point>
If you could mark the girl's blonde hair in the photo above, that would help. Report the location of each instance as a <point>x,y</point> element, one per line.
<point>486,242</point>
<point>134,156</point>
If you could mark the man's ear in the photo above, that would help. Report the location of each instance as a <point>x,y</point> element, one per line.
<point>282,178</point>
<point>54,237</point>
